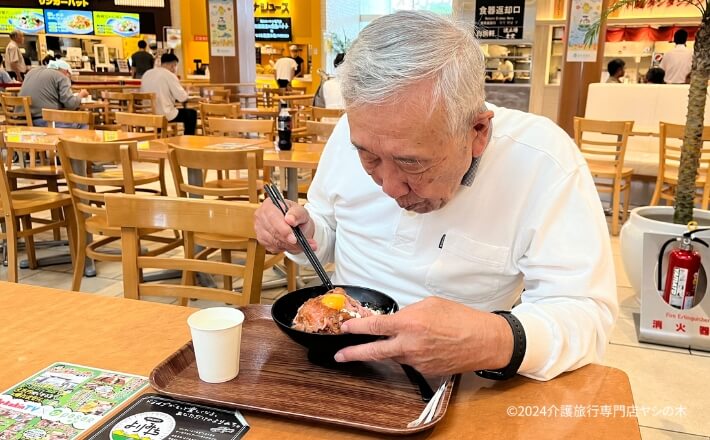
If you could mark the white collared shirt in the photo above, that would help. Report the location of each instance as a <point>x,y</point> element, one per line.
<point>167,88</point>
<point>531,218</point>
<point>677,64</point>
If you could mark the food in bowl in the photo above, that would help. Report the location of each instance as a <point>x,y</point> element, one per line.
<point>79,23</point>
<point>326,313</point>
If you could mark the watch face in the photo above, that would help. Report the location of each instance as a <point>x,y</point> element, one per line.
<point>144,426</point>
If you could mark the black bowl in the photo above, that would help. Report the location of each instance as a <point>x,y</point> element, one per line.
<point>322,347</point>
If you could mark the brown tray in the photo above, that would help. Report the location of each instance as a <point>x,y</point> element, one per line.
<point>275,376</point>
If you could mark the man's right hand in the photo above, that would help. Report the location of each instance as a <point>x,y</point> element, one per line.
<point>273,229</point>
<point>83,93</point>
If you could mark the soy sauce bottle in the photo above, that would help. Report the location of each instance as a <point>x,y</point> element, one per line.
<point>284,127</point>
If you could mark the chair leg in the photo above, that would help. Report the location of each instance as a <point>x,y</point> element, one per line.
<point>227,258</point>
<point>615,202</point>
<point>29,242</point>
<point>627,200</point>
<point>656,198</point>
<point>80,260</point>
<point>53,186</point>
<point>70,224</point>
<point>291,274</point>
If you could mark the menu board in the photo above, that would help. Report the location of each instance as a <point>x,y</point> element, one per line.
<point>117,23</point>
<point>68,22</point>
<point>29,21</point>
<point>272,29</point>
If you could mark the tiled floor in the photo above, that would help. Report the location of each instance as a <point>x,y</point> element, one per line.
<point>661,377</point>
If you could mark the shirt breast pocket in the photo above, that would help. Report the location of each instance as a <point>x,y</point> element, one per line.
<point>467,270</point>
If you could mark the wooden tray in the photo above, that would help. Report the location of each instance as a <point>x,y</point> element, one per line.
<point>275,376</point>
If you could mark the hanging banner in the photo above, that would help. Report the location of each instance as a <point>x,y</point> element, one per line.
<point>500,19</point>
<point>222,39</point>
<point>584,13</point>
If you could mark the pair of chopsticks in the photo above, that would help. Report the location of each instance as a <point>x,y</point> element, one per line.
<point>277,199</point>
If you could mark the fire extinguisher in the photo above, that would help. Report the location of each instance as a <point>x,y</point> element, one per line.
<point>683,270</point>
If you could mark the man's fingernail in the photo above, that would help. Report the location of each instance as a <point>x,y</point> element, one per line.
<point>339,357</point>
<point>292,239</point>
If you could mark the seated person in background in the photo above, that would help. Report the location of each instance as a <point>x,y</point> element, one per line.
<point>331,88</point>
<point>284,71</point>
<point>5,77</point>
<point>656,75</point>
<point>50,87</point>
<point>616,70</point>
<point>167,88</point>
<point>456,208</point>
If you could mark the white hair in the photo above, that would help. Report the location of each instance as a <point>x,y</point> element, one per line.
<point>399,50</point>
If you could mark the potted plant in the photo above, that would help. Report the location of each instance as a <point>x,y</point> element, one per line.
<point>671,220</point>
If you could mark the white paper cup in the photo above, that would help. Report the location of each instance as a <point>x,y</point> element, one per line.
<point>216,338</point>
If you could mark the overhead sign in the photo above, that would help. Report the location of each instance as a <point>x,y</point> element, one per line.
<point>500,19</point>
<point>583,15</point>
<point>272,7</point>
<point>117,23</point>
<point>68,22</point>
<point>272,29</point>
<point>29,21</point>
<point>65,3</point>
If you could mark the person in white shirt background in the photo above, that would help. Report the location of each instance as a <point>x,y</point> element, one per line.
<point>678,62</point>
<point>332,95</point>
<point>284,71</point>
<point>163,81</point>
<point>453,206</point>
<point>14,61</point>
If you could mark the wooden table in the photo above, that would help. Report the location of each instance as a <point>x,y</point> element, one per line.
<point>131,336</point>
<point>302,156</point>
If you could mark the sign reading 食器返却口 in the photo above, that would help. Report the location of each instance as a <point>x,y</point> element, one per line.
<point>500,19</point>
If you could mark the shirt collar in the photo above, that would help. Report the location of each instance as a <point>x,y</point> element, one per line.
<point>471,173</point>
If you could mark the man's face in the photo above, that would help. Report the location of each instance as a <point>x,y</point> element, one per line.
<point>411,154</point>
<point>20,39</point>
<point>170,66</point>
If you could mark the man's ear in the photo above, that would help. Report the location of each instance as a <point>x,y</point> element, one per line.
<point>481,127</point>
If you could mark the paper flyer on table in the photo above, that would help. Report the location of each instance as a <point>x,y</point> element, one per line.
<point>62,401</point>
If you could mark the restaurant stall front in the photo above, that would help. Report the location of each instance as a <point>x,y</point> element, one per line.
<point>93,36</point>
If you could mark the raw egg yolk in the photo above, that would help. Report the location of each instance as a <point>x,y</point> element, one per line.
<point>334,301</point>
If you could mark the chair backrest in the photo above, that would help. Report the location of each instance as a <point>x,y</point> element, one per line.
<point>87,191</point>
<point>250,159</point>
<point>133,213</point>
<point>319,131</point>
<point>670,140</point>
<point>68,117</point>
<point>319,113</point>
<point>221,96</point>
<point>6,205</point>
<point>603,142</point>
<point>119,102</point>
<point>142,123</point>
<point>16,109</point>
<point>242,127</point>
<point>143,103</point>
<point>216,110</point>
<point>265,97</point>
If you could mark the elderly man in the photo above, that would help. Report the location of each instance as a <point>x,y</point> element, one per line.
<point>453,206</point>
<point>163,81</point>
<point>50,87</point>
<point>14,60</point>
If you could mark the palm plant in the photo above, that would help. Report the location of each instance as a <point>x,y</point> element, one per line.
<point>697,95</point>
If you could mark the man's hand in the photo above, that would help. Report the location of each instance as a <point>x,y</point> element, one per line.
<point>83,93</point>
<point>273,229</point>
<point>436,336</point>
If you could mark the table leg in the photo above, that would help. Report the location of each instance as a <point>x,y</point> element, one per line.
<point>292,184</point>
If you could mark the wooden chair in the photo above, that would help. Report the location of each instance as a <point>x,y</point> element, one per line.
<point>87,192</point>
<point>16,109</point>
<point>604,147</point>
<point>230,111</point>
<point>18,208</point>
<point>143,103</point>
<point>332,113</point>
<point>318,131</point>
<point>249,160</point>
<point>68,117</point>
<point>221,96</point>
<point>670,142</point>
<point>241,127</point>
<point>118,102</point>
<point>135,213</point>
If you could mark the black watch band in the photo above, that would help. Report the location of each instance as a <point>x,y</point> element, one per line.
<point>519,343</point>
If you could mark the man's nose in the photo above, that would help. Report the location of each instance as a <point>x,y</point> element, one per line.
<point>391,180</point>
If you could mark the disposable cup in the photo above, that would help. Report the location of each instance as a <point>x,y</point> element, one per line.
<point>216,338</point>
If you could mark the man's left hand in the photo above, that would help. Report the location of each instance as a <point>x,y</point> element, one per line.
<point>436,336</point>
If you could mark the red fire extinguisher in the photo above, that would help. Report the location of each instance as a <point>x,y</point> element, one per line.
<point>683,270</point>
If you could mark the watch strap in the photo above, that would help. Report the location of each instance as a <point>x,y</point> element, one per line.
<point>519,345</point>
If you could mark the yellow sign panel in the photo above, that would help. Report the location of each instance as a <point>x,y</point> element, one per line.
<point>29,21</point>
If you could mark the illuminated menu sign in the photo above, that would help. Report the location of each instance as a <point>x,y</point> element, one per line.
<point>68,22</point>
<point>272,29</point>
<point>29,21</point>
<point>117,23</point>
<point>67,3</point>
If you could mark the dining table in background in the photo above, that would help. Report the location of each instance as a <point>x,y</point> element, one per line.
<point>48,325</point>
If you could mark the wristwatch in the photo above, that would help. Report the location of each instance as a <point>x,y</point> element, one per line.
<point>519,343</point>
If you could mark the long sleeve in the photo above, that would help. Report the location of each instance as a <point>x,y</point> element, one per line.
<point>66,96</point>
<point>177,90</point>
<point>569,304</point>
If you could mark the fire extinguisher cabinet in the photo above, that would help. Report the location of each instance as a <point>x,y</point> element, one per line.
<point>662,323</point>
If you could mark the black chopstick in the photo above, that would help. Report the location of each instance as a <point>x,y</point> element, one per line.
<point>277,199</point>
<point>418,379</point>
